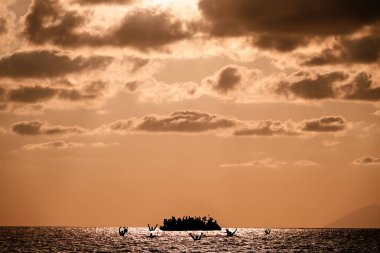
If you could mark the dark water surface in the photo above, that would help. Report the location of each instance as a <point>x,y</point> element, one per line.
<point>45,239</point>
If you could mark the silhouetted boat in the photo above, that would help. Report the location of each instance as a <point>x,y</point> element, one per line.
<point>190,224</point>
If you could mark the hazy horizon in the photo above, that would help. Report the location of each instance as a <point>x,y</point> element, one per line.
<point>124,112</point>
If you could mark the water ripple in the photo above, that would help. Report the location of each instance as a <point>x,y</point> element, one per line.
<point>45,239</point>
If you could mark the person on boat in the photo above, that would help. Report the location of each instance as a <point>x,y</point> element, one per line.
<point>123,231</point>
<point>196,237</point>
<point>230,233</point>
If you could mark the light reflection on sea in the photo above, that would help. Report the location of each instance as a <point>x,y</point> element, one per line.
<point>45,239</point>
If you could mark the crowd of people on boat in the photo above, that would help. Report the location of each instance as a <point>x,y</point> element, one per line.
<point>190,223</point>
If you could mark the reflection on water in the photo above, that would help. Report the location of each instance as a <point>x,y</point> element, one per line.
<point>39,239</point>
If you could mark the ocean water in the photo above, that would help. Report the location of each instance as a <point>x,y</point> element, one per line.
<point>47,239</point>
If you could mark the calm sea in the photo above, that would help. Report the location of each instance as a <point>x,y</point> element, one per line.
<point>46,239</point>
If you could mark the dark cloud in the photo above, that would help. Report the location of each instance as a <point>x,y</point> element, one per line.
<point>90,2</point>
<point>138,63</point>
<point>289,128</point>
<point>37,127</point>
<point>228,78</point>
<point>27,128</point>
<point>146,29</point>
<point>62,130</point>
<point>121,125</point>
<point>367,160</point>
<point>320,86</point>
<point>75,95</point>
<point>286,25</point>
<point>281,43</point>
<point>364,50</point>
<point>361,89</point>
<point>31,94</point>
<point>3,92</point>
<point>294,17</point>
<point>325,124</point>
<point>196,121</point>
<point>3,26</point>
<point>48,22</point>
<point>92,91</point>
<point>132,86</point>
<point>44,63</point>
<point>268,128</point>
<point>180,121</point>
<point>37,94</point>
<point>332,85</point>
<point>3,107</point>
<point>184,121</point>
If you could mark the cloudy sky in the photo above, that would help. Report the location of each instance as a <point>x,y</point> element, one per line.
<point>259,113</point>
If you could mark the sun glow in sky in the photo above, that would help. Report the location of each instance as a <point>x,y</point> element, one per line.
<point>259,113</point>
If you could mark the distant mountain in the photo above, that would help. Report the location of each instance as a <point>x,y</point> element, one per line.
<point>366,217</point>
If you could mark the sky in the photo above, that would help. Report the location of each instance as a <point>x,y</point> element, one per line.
<point>124,112</point>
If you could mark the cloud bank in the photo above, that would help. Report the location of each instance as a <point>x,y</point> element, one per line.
<point>367,160</point>
<point>141,29</point>
<point>45,63</point>
<point>37,127</point>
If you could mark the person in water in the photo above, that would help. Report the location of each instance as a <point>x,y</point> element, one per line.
<point>123,231</point>
<point>267,231</point>
<point>151,229</point>
<point>229,233</point>
<point>196,237</point>
<point>151,235</point>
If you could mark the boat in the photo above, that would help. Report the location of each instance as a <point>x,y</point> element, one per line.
<point>188,223</point>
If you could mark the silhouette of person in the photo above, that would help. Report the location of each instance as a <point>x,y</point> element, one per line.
<point>229,233</point>
<point>151,235</point>
<point>152,228</point>
<point>196,237</point>
<point>123,231</point>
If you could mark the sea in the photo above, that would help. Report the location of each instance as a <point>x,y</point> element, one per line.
<point>71,239</point>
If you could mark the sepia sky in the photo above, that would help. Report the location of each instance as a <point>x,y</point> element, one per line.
<point>123,112</point>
